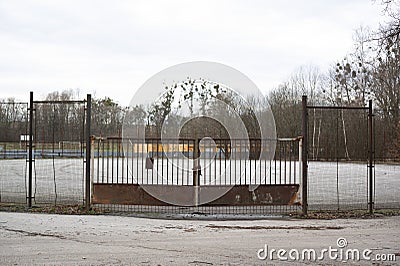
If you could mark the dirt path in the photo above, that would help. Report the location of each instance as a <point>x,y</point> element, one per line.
<point>27,238</point>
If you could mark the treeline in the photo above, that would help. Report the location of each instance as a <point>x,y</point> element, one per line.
<point>371,71</point>
<point>340,133</point>
<point>57,122</point>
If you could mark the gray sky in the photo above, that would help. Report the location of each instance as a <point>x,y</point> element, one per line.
<point>110,48</point>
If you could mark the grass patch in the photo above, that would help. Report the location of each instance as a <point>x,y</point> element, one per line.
<point>347,214</point>
<point>51,209</point>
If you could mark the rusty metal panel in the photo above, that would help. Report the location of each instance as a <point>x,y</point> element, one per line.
<point>133,194</point>
<point>239,195</point>
<point>262,195</point>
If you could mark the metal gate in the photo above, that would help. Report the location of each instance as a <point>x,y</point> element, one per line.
<point>56,151</point>
<point>339,156</point>
<point>131,174</point>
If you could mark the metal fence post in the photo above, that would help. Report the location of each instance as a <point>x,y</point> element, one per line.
<point>304,154</point>
<point>30,153</point>
<point>88,151</point>
<point>196,171</point>
<point>300,162</point>
<point>92,148</point>
<point>371,157</point>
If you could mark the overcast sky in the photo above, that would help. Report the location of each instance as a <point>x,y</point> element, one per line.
<point>110,48</point>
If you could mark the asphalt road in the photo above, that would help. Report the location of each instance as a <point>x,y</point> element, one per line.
<point>27,238</point>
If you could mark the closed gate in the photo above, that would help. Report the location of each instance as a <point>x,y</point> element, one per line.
<point>42,149</point>
<point>56,151</point>
<point>222,175</point>
<point>340,153</point>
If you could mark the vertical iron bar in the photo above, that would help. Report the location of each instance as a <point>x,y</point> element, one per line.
<point>166,156</point>
<point>118,154</point>
<point>101,156</point>
<point>112,161</point>
<point>157,162</point>
<point>225,153</point>
<point>276,157</point>
<point>132,161</point>
<point>371,157</point>
<point>270,167</point>
<point>290,161</point>
<point>251,154</point>
<point>184,157</point>
<point>172,154</point>
<point>215,170</point>
<point>178,162</point>
<point>285,161</point>
<point>98,161</point>
<point>260,161</point>
<point>210,165</point>
<point>196,179</point>
<point>148,158</point>
<point>162,164</point>
<point>236,158</point>
<point>220,161</point>
<point>108,160</point>
<point>230,161</point>
<point>281,154</point>
<point>123,161</point>
<point>127,161</point>
<point>137,161</point>
<point>337,158</point>
<point>304,154</point>
<point>294,164</point>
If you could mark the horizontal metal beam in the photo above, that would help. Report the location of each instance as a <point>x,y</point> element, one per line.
<point>238,195</point>
<point>192,139</point>
<point>59,102</point>
<point>337,107</point>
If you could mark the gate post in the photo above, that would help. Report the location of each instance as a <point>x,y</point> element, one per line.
<point>371,157</point>
<point>304,154</point>
<point>196,171</point>
<point>30,153</point>
<point>88,151</point>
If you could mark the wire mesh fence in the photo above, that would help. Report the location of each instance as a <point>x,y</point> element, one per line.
<point>172,211</point>
<point>13,151</point>
<point>58,152</point>
<point>338,161</point>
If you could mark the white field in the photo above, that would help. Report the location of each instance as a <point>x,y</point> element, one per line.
<point>66,178</point>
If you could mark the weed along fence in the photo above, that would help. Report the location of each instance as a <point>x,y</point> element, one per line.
<point>48,156</point>
<point>131,175</point>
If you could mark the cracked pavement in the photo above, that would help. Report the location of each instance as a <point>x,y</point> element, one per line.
<point>27,239</point>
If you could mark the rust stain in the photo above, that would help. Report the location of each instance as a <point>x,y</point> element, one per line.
<point>239,195</point>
